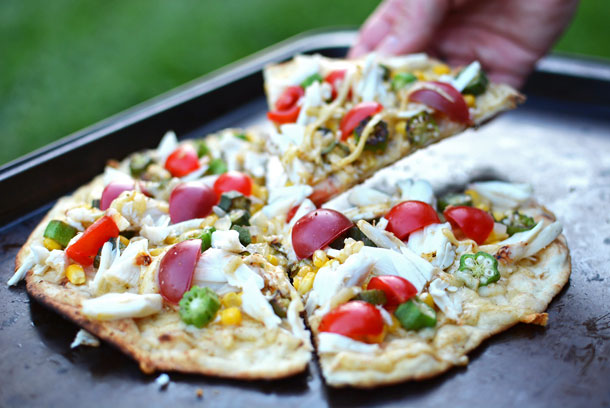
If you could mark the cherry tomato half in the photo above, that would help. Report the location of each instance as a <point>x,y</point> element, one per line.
<point>287,106</point>
<point>358,320</point>
<point>334,78</point>
<point>397,289</point>
<point>177,268</point>
<point>233,181</point>
<point>191,200</point>
<point>317,229</point>
<point>472,222</point>
<point>84,250</point>
<point>409,216</point>
<point>356,115</point>
<point>182,161</point>
<point>291,213</point>
<point>113,190</point>
<point>449,101</point>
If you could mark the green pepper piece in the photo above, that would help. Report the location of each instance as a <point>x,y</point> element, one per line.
<point>477,85</point>
<point>455,199</point>
<point>357,235</point>
<point>59,232</point>
<point>280,306</point>
<point>244,234</point>
<point>402,79</point>
<point>233,200</point>
<point>202,148</point>
<point>481,266</point>
<point>138,164</point>
<point>96,203</point>
<point>310,80</point>
<point>422,129</point>
<point>415,315</point>
<point>518,222</point>
<point>372,296</point>
<point>242,136</point>
<point>206,238</point>
<point>240,217</point>
<point>199,306</point>
<point>217,166</point>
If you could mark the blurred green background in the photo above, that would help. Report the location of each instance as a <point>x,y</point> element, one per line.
<point>66,64</point>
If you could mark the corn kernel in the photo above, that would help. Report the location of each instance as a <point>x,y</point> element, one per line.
<point>231,315</point>
<point>75,274</point>
<point>477,200</point>
<point>273,260</point>
<point>470,100</point>
<point>401,127</point>
<point>123,240</point>
<point>307,283</point>
<point>231,299</point>
<point>305,269</point>
<point>259,191</point>
<point>395,324</point>
<point>427,299</point>
<point>156,251</point>
<point>171,240</point>
<point>319,258</point>
<point>419,75</point>
<point>441,69</point>
<point>296,282</point>
<point>51,244</point>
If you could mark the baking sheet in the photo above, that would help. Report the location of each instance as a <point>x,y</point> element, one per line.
<point>559,145</point>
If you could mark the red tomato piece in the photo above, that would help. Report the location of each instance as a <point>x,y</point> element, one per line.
<point>356,115</point>
<point>357,320</point>
<point>182,161</point>
<point>409,216</point>
<point>317,229</point>
<point>397,289</point>
<point>324,191</point>
<point>84,250</point>
<point>191,200</point>
<point>444,98</point>
<point>335,78</point>
<point>233,181</point>
<point>287,106</point>
<point>291,213</point>
<point>113,190</point>
<point>177,269</point>
<point>474,223</point>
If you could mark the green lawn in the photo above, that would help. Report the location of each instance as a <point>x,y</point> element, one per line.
<point>65,64</point>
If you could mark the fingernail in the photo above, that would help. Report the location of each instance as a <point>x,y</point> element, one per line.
<point>357,51</point>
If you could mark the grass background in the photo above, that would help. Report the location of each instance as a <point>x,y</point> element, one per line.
<point>66,64</point>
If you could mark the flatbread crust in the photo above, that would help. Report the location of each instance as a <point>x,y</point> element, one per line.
<point>530,289</point>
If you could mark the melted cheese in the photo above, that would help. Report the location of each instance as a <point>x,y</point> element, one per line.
<point>336,343</point>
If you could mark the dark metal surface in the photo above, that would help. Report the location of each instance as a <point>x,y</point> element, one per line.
<point>559,141</point>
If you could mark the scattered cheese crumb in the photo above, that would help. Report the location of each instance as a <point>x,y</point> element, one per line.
<point>162,381</point>
<point>199,393</point>
<point>84,338</point>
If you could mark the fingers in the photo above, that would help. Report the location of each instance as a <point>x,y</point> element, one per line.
<point>400,26</point>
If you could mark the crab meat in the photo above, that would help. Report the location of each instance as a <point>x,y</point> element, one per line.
<point>419,190</point>
<point>503,195</point>
<point>432,244</point>
<point>526,243</point>
<point>363,196</point>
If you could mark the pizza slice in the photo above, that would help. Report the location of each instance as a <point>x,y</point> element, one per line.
<point>157,257</point>
<point>339,121</point>
<point>409,284</point>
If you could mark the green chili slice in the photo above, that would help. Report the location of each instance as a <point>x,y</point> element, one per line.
<point>217,166</point>
<point>139,163</point>
<point>481,266</point>
<point>199,306</point>
<point>455,199</point>
<point>402,79</point>
<point>244,234</point>
<point>233,200</point>
<point>310,80</point>
<point>518,222</point>
<point>206,238</point>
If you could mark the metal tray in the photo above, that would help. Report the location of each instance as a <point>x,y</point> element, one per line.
<point>559,141</point>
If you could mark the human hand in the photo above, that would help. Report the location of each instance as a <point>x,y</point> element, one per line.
<point>506,37</point>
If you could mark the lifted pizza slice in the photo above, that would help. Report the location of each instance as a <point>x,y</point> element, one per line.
<point>339,121</point>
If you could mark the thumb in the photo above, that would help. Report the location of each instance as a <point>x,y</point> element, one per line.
<point>401,26</point>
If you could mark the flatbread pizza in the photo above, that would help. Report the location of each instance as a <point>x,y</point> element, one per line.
<point>223,255</point>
